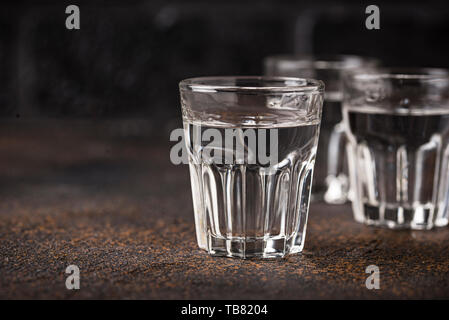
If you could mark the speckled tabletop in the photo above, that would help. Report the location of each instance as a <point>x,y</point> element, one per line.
<point>118,209</point>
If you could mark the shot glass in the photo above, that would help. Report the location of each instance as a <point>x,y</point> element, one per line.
<point>251,145</point>
<point>397,123</point>
<point>331,182</point>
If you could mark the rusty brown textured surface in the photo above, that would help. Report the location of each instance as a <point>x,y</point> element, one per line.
<point>119,210</point>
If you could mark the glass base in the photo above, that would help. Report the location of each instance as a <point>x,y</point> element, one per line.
<point>441,222</point>
<point>334,191</point>
<point>249,248</point>
<point>417,218</point>
<point>337,189</point>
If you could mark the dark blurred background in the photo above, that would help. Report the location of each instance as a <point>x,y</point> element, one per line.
<point>128,56</point>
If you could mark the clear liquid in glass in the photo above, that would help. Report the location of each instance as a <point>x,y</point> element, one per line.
<point>399,166</point>
<point>252,209</point>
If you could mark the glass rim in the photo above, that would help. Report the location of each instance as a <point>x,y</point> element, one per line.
<point>224,84</point>
<point>336,61</point>
<point>399,73</point>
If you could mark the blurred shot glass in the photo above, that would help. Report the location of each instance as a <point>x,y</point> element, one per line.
<point>331,182</point>
<point>398,130</point>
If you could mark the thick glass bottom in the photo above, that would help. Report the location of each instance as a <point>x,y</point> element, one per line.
<point>420,217</point>
<point>249,248</point>
<point>335,191</point>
